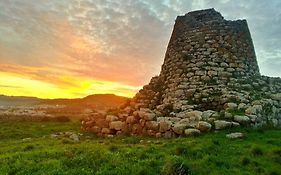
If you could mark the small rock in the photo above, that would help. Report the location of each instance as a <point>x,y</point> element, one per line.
<point>53,136</point>
<point>110,136</point>
<point>74,137</point>
<point>235,135</point>
<point>26,139</point>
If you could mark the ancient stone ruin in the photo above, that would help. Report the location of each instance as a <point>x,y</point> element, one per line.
<point>210,80</point>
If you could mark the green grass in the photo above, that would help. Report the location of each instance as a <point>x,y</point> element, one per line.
<point>258,153</point>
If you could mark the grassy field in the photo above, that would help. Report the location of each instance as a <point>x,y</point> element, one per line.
<point>27,148</point>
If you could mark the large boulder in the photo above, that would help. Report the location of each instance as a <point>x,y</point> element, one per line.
<point>221,124</point>
<point>207,114</point>
<point>147,114</point>
<point>89,124</point>
<point>95,129</point>
<point>255,109</point>
<point>168,134</point>
<point>204,126</point>
<point>230,106</point>
<point>179,128</point>
<point>242,119</point>
<point>235,124</point>
<point>276,96</point>
<point>102,123</point>
<point>194,115</point>
<point>136,129</point>
<point>164,125</point>
<point>117,125</point>
<point>152,125</point>
<point>191,132</point>
<point>106,131</point>
<point>131,120</point>
<point>111,118</point>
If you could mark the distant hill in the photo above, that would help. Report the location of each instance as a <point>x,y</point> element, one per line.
<point>92,101</point>
<point>18,101</point>
<point>95,101</point>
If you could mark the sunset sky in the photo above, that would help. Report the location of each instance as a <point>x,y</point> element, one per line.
<point>73,48</point>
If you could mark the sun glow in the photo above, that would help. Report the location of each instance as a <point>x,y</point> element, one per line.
<point>72,87</point>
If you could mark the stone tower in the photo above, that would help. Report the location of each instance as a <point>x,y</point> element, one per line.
<point>205,51</point>
<point>210,72</point>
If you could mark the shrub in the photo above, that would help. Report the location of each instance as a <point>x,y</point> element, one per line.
<point>272,142</point>
<point>113,148</point>
<point>132,140</point>
<point>180,151</point>
<point>175,167</point>
<point>216,142</point>
<point>69,154</point>
<point>245,161</point>
<point>277,156</point>
<point>256,151</point>
<point>28,148</point>
<point>142,171</point>
<point>277,152</point>
<point>274,173</point>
